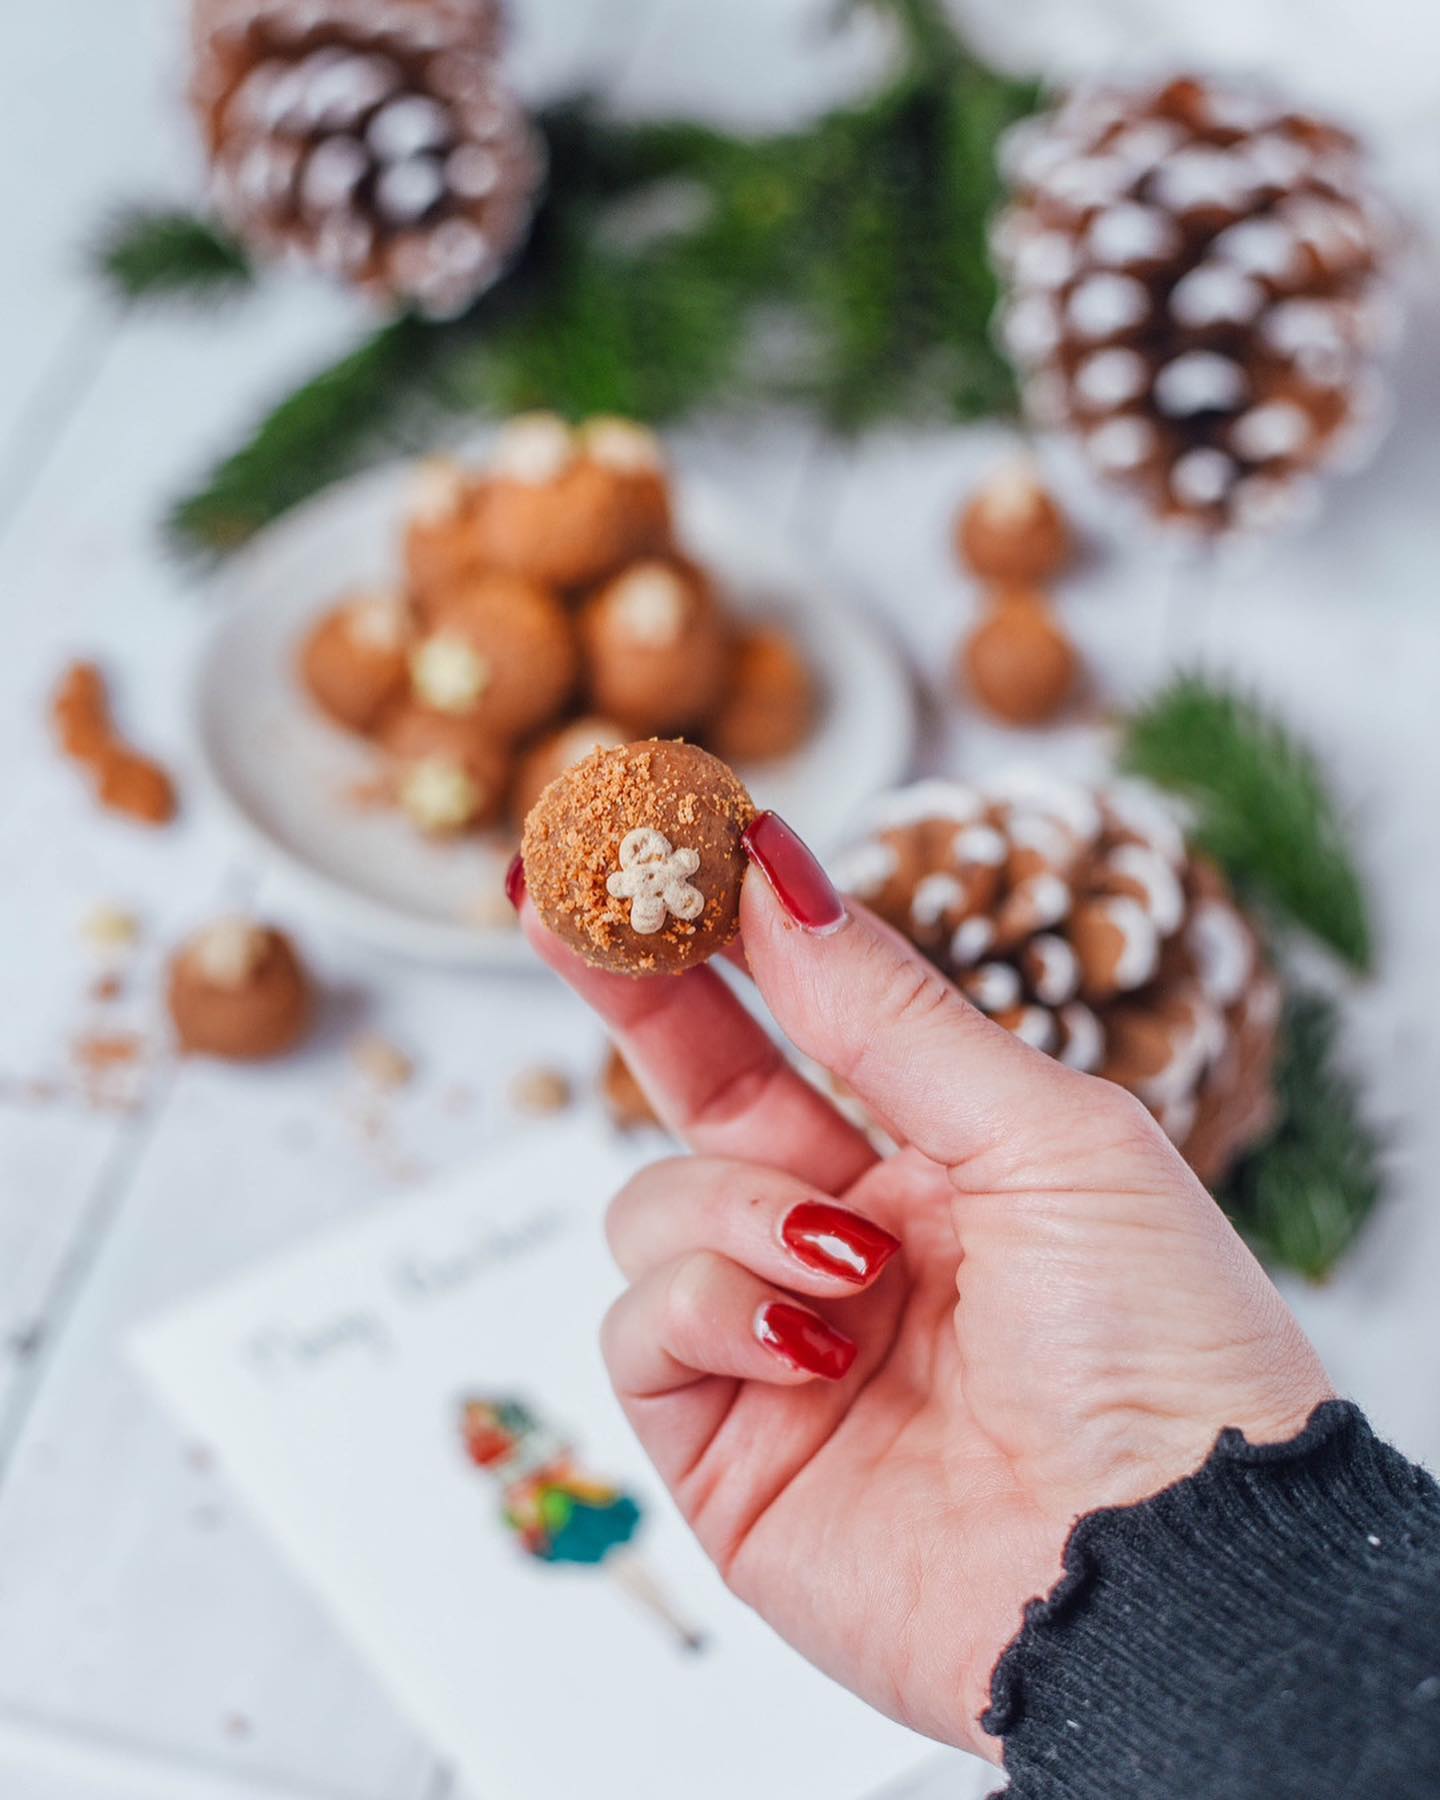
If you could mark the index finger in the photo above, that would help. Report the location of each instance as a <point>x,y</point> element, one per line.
<point>713,1075</point>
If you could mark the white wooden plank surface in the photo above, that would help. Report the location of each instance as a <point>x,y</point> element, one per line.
<point>149,1642</point>
<point>74,70</point>
<point>39,1762</point>
<point>105,418</point>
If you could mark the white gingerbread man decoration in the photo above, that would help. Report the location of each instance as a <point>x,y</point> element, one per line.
<point>653,877</point>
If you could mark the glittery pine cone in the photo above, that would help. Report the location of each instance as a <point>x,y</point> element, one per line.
<point>1079,920</point>
<point>1197,288</point>
<point>372,139</point>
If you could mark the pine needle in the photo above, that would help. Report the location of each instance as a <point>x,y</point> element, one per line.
<point>1264,810</point>
<point>1302,1198</point>
<point>151,253</point>
<point>324,430</point>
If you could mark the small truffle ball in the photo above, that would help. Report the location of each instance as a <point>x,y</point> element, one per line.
<point>441,551</point>
<point>1019,663</point>
<point>634,857</point>
<point>770,708</point>
<point>353,658</point>
<point>500,649</point>
<point>238,990</point>
<point>556,752</point>
<point>568,507</point>
<point>657,650</point>
<point>450,771</point>
<point>1012,530</point>
<point>625,1101</point>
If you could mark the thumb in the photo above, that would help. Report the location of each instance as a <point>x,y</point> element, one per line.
<point>857,998</point>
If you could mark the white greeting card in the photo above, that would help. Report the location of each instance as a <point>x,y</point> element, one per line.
<point>416,1408</point>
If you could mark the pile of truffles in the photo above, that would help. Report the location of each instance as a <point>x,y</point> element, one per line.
<point>547,611</point>
<point>1080,921</point>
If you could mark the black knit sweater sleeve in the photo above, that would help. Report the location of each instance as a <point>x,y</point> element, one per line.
<point>1268,1629</point>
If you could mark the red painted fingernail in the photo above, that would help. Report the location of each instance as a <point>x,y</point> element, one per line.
<point>832,1240</point>
<point>515,881</point>
<point>803,1339</point>
<point>799,883</point>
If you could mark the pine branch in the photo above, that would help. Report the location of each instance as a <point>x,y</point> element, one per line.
<point>1302,1198</point>
<point>324,430</point>
<point>1264,810</point>
<point>862,237</point>
<point>153,253</point>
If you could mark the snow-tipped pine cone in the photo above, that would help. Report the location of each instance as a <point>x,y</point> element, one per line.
<point>373,139</point>
<point>1079,919</point>
<point>1197,288</point>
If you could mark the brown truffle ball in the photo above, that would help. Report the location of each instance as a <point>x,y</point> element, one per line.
<point>634,858</point>
<point>450,771</point>
<point>1019,663</point>
<point>441,550</point>
<point>624,1099</point>
<point>568,507</point>
<point>770,708</point>
<point>1012,529</point>
<point>657,649</point>
<point>501,650</point>
<point>353,658</point>
<point>238,990</point>
<point>556,752</point>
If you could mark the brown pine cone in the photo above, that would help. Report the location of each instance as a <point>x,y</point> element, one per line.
<point>372,139</point>
<point>1197,289</point>
<point>1079,920</point>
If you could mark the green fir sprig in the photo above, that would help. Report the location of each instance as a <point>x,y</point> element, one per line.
<point>670,265</point>
<point>1263,808</point>
<point>311,439</point>
<point>159,253</point>
<point>1303,1196</point>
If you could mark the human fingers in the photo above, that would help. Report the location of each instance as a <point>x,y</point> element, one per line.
<point>711,1072</point>
<point>704,1315</point>
<point>779,1228</point>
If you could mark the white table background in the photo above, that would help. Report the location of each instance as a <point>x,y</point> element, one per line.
<point>150,1643</point>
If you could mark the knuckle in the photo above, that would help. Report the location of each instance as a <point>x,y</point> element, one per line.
<point>915,993</point>
<point>1127,1125</point>
<point>904,993</point>
<point>613,1327</point>
<point>637,1194</point>
<point>739,1092</point>
<point>689,1294</point>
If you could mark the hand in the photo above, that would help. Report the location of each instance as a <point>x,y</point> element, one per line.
<point>881,1417</point>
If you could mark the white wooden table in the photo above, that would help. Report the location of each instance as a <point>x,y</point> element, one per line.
<point>150,1643</point>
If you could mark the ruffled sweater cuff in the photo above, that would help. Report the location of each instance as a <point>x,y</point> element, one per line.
<point>1268,1627</point>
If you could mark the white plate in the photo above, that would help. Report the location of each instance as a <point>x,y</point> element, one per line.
<point>289,779</point>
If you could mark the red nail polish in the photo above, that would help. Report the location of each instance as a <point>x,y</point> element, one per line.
<point>803,1339</point>
<point>832,1240</point>
<point>515,881</point>
<point>800,885</point>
